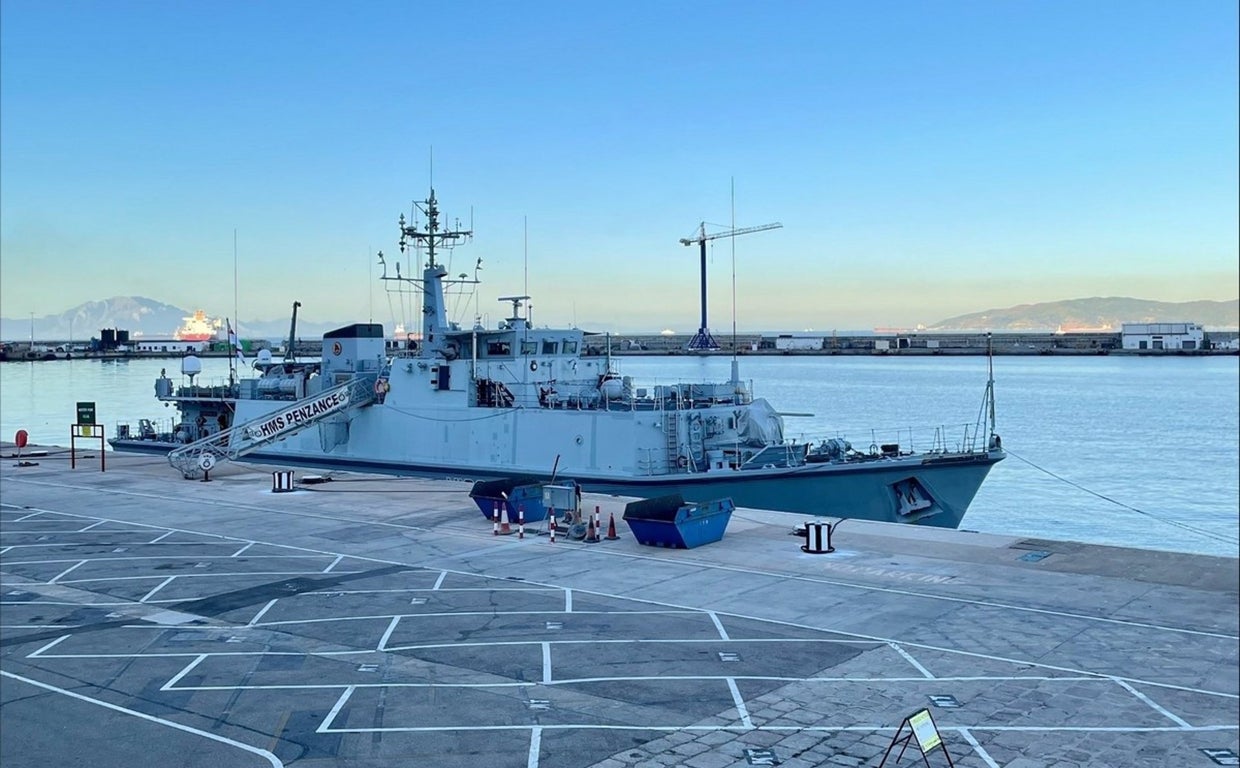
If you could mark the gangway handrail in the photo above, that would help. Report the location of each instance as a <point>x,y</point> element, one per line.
<point>239,439</point>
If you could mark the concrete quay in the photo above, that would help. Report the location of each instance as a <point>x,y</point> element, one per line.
<point>376,621</point>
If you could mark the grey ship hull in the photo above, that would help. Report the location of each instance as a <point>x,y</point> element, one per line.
<point>861,492</point>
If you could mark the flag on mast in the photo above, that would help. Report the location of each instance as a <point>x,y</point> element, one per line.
<point>236,346</point>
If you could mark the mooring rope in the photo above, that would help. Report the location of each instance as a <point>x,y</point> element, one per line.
<point>1104,497</point>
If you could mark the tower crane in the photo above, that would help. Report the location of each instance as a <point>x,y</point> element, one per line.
<point>702,340</point>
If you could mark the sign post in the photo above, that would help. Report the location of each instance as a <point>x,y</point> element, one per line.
<point>86,428</point>
<point>921,728</point>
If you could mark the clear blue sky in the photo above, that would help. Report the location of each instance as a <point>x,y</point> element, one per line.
<point>925,159</point>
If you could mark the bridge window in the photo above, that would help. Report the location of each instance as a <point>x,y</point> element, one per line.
<point>549,347</point>
<point>529,347</point>
<point>499,349</point>
<point>570,347</point>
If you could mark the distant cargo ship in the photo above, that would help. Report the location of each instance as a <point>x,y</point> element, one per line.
<point>198,328</point>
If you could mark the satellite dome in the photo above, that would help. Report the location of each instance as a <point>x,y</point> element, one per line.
<point>191,365</point>
<point>264,356</point>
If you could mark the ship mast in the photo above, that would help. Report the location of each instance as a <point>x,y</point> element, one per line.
<point>432,238</point>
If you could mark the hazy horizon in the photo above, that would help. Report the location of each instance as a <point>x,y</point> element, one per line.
<point>925,161</point>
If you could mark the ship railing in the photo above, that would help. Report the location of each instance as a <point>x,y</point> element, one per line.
<point>156,430</point>
<point>947,439</point>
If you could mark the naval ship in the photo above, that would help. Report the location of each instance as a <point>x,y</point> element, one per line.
<point>517,400</point>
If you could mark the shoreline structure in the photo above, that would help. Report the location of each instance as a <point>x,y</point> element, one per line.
<point>900,344</point>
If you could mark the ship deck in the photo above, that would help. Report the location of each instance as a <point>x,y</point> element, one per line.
<point>376,621</point>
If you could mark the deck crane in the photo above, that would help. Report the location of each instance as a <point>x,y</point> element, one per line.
<point>702,340</point>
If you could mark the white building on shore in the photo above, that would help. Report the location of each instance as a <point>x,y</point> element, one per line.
<point>1163,336</point>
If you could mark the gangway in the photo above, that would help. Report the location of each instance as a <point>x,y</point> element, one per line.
<point>239,439</point>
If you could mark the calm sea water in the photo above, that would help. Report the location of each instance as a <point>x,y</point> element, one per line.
<point>1138,452</point>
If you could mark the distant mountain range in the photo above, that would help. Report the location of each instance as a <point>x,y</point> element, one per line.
<point>1096,314</point>
<point>141,317</point>
<point>153,319</point>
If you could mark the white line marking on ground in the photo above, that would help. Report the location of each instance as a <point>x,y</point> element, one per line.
<point>568,682</point>
<point>333,564</point>
<point>557,590</point>
<point>383,640</point>
<point>738,729</point>
<point>740,703</point>
<point>977,747</point>
<point>189,576</point>
<point>65,602</point>
<point>128,558</point>
<point>535,746</point>
<point>160,538</point>
<point>568,601</point>
<point>6,549</point>
<point>911,660</point>
<point>67,570</point>
<point>38,653</point>
<point>361,652</point>
<point>723,633</point>
<point>546,654</point>
<point>92,525</point>
<point>327,721</point>
<point>270,758</point>
<point>453,614</point>
<point>24,518</point>
<point>261,611</point>
<point>439,580</point>
<point>1162,711</point>
<point>63,532</point>
<point>84,544</point>
<point>184,671</point>
<point>239,551</point>
<point>160,586</point>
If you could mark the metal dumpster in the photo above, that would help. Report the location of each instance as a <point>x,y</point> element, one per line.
<point>667,521</point>
<point>513,493</point>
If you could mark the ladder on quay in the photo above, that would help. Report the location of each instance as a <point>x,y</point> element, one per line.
<point>238,440</point>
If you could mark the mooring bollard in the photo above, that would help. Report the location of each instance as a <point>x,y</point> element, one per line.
<point>814,539</point>
<point>282,481</point>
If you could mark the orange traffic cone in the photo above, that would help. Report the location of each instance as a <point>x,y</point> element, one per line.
<point>591,532</point>
<point>504,527</point>
<point>611,527</point>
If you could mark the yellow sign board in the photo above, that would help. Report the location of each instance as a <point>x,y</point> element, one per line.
<point>925,731</point>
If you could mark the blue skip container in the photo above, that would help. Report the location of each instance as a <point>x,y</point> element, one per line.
<point>667,521</point>
<point>513,493</point>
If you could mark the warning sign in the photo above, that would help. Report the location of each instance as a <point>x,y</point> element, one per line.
<point>923,728</point>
